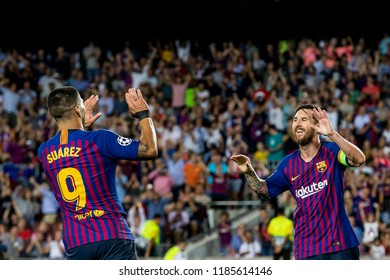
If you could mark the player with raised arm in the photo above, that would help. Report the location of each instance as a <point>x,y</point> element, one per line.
<point>80,168</point>
<point>314,175</point>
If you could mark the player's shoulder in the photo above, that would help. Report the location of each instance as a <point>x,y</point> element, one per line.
<point>100,135</point>
<point>41,147</point>
<point>329,145</point>
<point>109,135</point>
<point>327,142</point>
<point>289,157</point>
<point>46,143</point>
<point>101,132</point>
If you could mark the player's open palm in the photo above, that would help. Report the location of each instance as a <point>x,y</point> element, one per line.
<point>324,126</point>
<point>136,101</point>
<point>242,162</point>
<point>90,105</point>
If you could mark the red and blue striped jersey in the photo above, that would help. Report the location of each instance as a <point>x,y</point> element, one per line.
<point>321,223</point>
<point>80,168</point>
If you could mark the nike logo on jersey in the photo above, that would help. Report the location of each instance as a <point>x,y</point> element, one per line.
<point>294,178</point>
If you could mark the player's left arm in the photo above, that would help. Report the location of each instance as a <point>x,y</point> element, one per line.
<point>147,148</point>
<point>139,109</point>
<point>353,156</point>
<point>350,154</point>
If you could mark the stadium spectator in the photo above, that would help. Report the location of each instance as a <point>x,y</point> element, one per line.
<point>225,233</point>
<point>155,204</point>
<point>261,230</point>
<point>194,171</point>
<point>377,250</point>
<point>151,234</point>
<point>161,178</point>
<point>218,178</point>
<point>50,205</point>
<point>56,246</point>
<point>175,164</point>
<point>370,226</point>
<point>177,252</point>
<point>91,55</point>
<point>178,221</point>
<point>237,239</point>
<point>281,230</point>
<point>25,205</point>
<point>13,244</point>
<point>197,212</point>
<point>250,247</point>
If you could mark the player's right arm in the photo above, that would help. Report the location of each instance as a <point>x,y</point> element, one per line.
<point>258,185</point>
<point>139,109</point>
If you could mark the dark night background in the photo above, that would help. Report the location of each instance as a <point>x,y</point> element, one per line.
<point>112,23</point>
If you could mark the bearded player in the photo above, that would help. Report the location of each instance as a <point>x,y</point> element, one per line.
<point>314,175</point>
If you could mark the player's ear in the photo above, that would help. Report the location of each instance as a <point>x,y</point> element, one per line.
<point>78,110</point>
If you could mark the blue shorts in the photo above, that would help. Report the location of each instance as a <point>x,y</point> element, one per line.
<point>112,249</point>
<point>347,254</point>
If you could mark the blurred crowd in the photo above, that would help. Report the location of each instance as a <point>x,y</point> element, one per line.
<point>207,104</point>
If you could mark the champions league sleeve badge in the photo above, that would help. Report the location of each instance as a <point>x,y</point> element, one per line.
<point>123,141</point>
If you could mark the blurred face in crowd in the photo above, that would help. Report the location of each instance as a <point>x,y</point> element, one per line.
<point>249,236</point>
<point>176,156</point>
<point>303,134</point>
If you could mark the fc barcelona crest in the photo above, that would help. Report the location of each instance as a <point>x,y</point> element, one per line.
<point>321,166</point>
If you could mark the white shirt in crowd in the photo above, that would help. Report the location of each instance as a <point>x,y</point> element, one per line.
<point>252,248</point>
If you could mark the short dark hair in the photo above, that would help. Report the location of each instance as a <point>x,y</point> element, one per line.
<point>279,211</point>
<point>272,126</point>
<point>61,102</point>
<point>308,106</point>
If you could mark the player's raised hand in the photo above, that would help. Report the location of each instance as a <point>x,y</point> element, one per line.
<point>136,102</point>
<point>324,126</point>
<point>90,105</point>
<point>243,162</point>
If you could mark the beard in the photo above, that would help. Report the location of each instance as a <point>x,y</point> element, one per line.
<point>306,139</point>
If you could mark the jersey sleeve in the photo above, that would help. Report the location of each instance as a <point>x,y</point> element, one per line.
<point>278,182</point>
<point>116,146</point>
